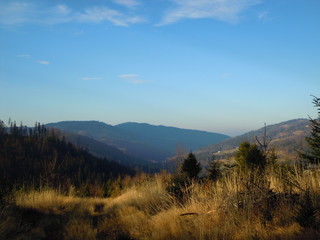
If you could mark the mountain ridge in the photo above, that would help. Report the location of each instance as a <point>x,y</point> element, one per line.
<point>142,140</point>
<point>286,137</point>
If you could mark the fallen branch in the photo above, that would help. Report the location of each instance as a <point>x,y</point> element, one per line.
<point>186,214</point>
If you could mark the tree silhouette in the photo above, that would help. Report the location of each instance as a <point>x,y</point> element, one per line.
<point>214,170</point>
<point>312,155</point>
<point>190,167</point>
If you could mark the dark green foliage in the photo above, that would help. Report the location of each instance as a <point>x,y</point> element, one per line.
<point>39,157</point>
<point>190,167</point>
<point>250,156</point>
<point>188,172</point>
<point>214,170</point>
<point>178,186</point>
<point>306,212</point>
<point>313,154</point>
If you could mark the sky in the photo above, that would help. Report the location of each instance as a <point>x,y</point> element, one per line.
<point>225,66</point>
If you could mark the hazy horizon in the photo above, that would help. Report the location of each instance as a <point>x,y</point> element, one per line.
<point>219,66</point>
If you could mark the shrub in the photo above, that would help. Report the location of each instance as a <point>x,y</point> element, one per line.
<point>249,156</point>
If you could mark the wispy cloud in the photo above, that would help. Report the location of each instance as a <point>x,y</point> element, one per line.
<point>22,12</point>
<point>91,78</point>
<point>101,14</point>
<point>43,62</point>
<point>15,13</point>
<point>128,75</point>
<point>264,16</point>
<point>33,59</point>
<point>132,78</point>
<point>222,10</point>
<point>128,3</point>
<point>63,9</point>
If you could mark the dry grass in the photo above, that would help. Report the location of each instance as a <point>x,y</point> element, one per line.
<point>281,205</point>
<point>49,201</point>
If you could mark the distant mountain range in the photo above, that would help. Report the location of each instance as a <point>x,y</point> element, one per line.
<point>142,144</point>
<point>286,137</point>
<point>130,142</point>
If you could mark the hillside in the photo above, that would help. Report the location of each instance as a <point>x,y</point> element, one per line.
<point>168,137</point>
<point>148,142</point>
<point>40,157</point>
<point>286,138</point>
<point>112,153</point>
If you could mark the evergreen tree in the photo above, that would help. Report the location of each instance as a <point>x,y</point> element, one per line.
<point>313,154</point>
<point>214,170</point>
<point>190,167</point>
<point>250,156</point>
<point>2,127</point>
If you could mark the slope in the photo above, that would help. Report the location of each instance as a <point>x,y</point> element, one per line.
<point>167,138</point>
<point>286,137</point>
<point>41,157</point>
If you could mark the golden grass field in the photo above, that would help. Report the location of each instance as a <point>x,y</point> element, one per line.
<point>283,204</point>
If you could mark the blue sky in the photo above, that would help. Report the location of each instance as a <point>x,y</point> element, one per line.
<point>226,66</point>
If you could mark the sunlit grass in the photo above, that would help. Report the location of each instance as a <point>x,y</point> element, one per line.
<point>270,207</point>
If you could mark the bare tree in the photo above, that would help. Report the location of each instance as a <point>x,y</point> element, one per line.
<point>264,143</point>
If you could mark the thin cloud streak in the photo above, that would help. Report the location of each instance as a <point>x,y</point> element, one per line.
<point>264,16</point>
<point>226,10</point>
<point>98,15</point>
<point>43,62</point>
<point>128,3</point>
<point>20,13</point>
<point>132,78</point>
<point>128,75</point>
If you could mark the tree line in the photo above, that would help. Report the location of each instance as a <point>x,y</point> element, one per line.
<point>43,157</point>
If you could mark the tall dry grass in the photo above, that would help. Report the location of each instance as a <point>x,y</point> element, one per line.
<point>282,204</point>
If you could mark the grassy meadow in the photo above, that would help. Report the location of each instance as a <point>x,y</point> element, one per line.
<point>283,203</point>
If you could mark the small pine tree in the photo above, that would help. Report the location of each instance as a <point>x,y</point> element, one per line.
<point>2,127</point>
<point>214,170</point>
<point>313,154</point>
<point>250,156</point>
<point>190,167</point>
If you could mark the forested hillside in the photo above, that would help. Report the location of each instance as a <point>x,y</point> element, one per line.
<point>112,153</point>
<point>36,156</point>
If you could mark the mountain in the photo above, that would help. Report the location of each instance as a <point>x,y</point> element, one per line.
<point>286,137</point>
<point>93,129</point>
<point>167,138</point>
<point>148,142</point>
<point>110,136</point>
